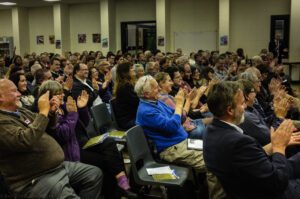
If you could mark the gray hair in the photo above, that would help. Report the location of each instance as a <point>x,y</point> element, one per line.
<point>52,86</point>
<point>256,60</point>
<point>137,66</point>
<point>143,85</point>
<point>35,67</point>
<point>247,75</point>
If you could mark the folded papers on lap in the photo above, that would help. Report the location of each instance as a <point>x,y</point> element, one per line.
<point>162,173</point>
<point>100,138</point>
<point>195,144</point>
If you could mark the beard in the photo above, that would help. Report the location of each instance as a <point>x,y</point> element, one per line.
<point>239,118</point>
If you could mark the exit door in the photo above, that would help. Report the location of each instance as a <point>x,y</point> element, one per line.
<point>137,36</point>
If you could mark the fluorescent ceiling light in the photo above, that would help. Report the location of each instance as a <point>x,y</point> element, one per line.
<point>51,0</point>
<point>7,3</point>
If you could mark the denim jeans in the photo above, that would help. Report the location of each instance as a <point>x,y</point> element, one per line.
<point>198,131</point>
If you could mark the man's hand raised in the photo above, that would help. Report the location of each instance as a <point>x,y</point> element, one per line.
<point>44,104</point>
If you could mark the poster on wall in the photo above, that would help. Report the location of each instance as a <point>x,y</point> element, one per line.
<point>104,43</point>
<point>51,39</point>
<point>81,38</point>
<point>58,44</point>
<point>224,40</point>
<point>39,39</point>
<point>96,38</point>
<point>160,41</point>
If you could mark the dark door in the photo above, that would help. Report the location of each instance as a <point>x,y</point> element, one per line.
<point>281,24</point>
<point>138,36</point>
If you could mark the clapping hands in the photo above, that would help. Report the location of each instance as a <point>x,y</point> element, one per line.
<point>83,99</point>
<point>71,105</point>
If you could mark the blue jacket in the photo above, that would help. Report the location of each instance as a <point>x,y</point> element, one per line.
<point>160,124</point>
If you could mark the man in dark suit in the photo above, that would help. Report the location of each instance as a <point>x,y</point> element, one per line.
<point>81,82</point>
<point>278,47</point>
<point>245,168</point>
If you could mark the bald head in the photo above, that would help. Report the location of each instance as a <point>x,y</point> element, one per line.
<point>9,95</point>
<point>4,84</point>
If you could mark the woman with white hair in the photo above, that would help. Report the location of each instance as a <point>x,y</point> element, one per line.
<point>70,133</point>
<point>139,70</point>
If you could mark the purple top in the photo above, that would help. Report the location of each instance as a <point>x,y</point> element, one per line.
<point>66,136</point>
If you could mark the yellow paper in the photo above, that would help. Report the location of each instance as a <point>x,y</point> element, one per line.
<point>95,140</point>
<point>160,177</point>
<point>117,134</point>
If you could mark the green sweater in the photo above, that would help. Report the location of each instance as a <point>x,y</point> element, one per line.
<point>26,151</point>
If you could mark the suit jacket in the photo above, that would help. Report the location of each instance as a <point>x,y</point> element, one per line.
<point>255,126</point>
<point>78,87</point>
<point>243,167</point>
<point>277,49</point>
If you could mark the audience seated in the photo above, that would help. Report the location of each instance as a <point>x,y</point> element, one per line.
<point>26,99</point>
<point>244,167</point>
<point>253,125</point>
<point>126,99</point>
<point>32,162</point>
<point>162,125</point>
<point>40,76</point>
<point>194,128</point>
<point>105,80</point>
<point>104,155</point>
<point>3,68</point>
<point>81,82</point>
<point>92,78</point>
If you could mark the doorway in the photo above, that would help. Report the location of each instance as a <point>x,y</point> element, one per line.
<point>281,24</point>
<point>137,36</point>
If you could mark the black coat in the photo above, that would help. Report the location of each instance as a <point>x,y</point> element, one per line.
<point>243,167</point>
<point>78,87</point>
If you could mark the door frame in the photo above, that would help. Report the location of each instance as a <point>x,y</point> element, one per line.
<point>124,34</point>
<point>286,28</point>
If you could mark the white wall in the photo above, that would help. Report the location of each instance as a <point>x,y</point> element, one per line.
<point>5,23</point>
<point>84,19</point>
<point>133,10</point>
<point>193,16</point>
<point>41,23</point>
<point>250,23</point>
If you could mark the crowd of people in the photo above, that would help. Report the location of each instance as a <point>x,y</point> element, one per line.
<point>244,110</point>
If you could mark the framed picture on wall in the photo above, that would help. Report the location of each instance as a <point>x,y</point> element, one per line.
<point>96,38</point>
<point>81,38</point>
<point>104,43</point>
<point>224,40</point>
<point>58,44</point>
<point>39,39</point>
<point>51,39</point>
<point>160,41</point>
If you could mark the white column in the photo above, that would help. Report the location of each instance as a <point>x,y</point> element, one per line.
<point>107,25</point>
<point>294,51</point>
<point>294,47</point>
<point>20,29</point>
<point>224,25</point>
<point>61,19</point>
<point>162,25</point>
